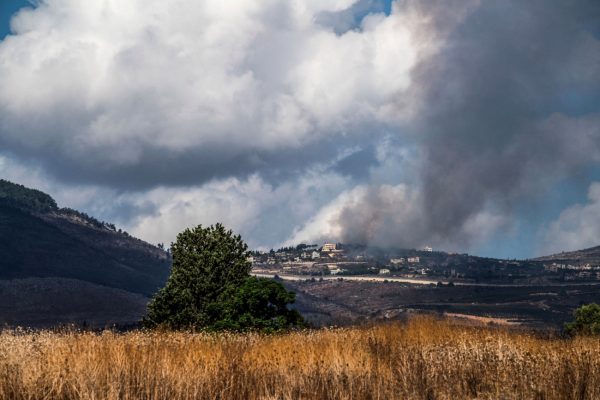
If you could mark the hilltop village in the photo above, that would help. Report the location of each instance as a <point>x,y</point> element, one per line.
<point>338,259</point>
<point>342,260</point>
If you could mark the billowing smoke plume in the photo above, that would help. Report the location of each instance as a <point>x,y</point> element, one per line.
<point>499,119</point>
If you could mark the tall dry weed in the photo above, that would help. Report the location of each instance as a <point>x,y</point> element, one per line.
<point>424,359</point>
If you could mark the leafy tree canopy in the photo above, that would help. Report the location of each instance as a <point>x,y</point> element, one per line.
<point>259,303</point>
<point>587,321</point>
<point>210,287</point>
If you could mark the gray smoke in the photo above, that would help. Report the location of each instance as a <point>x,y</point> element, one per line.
<point>496,123</point>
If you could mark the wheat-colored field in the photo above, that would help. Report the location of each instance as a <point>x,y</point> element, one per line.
<point>424,359</point>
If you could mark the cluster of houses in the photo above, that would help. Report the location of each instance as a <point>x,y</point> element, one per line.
<point>574,272</point>
<point>338,259</point>
<point>332,259</point>
<point>306,253</point>
<point>402,260</point>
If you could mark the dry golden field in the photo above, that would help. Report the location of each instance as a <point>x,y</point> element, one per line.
<point>424,359</point>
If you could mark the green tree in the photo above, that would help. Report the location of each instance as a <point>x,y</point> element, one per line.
<point>258,303</point>
<point>587,321</point>
<point>210,273</point>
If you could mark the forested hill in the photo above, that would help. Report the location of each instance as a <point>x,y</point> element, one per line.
<point>40,240</point>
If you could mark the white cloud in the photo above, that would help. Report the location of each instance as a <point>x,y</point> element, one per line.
<point>577,227</point>
<point>112,82</point>
<point>262,213</point>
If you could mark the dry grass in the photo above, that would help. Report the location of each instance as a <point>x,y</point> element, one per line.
<point>426,359</point>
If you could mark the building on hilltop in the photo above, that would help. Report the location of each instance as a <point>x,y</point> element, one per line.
<point>329,247</point>
<point>332,250</point>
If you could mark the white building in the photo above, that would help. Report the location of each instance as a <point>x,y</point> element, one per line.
<point>329,247</point>
<point>428,248</point>
<point>384,271</point>
<point>414,260</point>
<point>397,261</point>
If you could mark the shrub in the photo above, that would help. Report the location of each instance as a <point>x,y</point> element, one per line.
<point>587,321</point>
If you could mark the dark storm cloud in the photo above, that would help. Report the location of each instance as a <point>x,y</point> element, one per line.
<point>194,165</point>
<point>494,126</point>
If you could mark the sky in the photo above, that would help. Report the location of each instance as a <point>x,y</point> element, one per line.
<point>465,125</point>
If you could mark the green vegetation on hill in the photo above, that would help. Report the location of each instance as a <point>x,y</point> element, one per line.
<point>20,196</point>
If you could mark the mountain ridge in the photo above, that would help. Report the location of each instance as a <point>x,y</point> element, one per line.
<point>40,241</point>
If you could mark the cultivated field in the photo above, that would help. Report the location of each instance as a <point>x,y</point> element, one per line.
<point>425,359</point>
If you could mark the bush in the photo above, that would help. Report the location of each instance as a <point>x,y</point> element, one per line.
<point>587,321</point>
<point>210,287</point>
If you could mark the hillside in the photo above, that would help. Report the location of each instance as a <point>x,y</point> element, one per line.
<point>40,240</point>
<point>577,257</point>
<point>45,302</point>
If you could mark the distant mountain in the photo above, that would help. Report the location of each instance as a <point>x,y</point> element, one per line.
<point>585,256</point>
<point>40,240</point>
